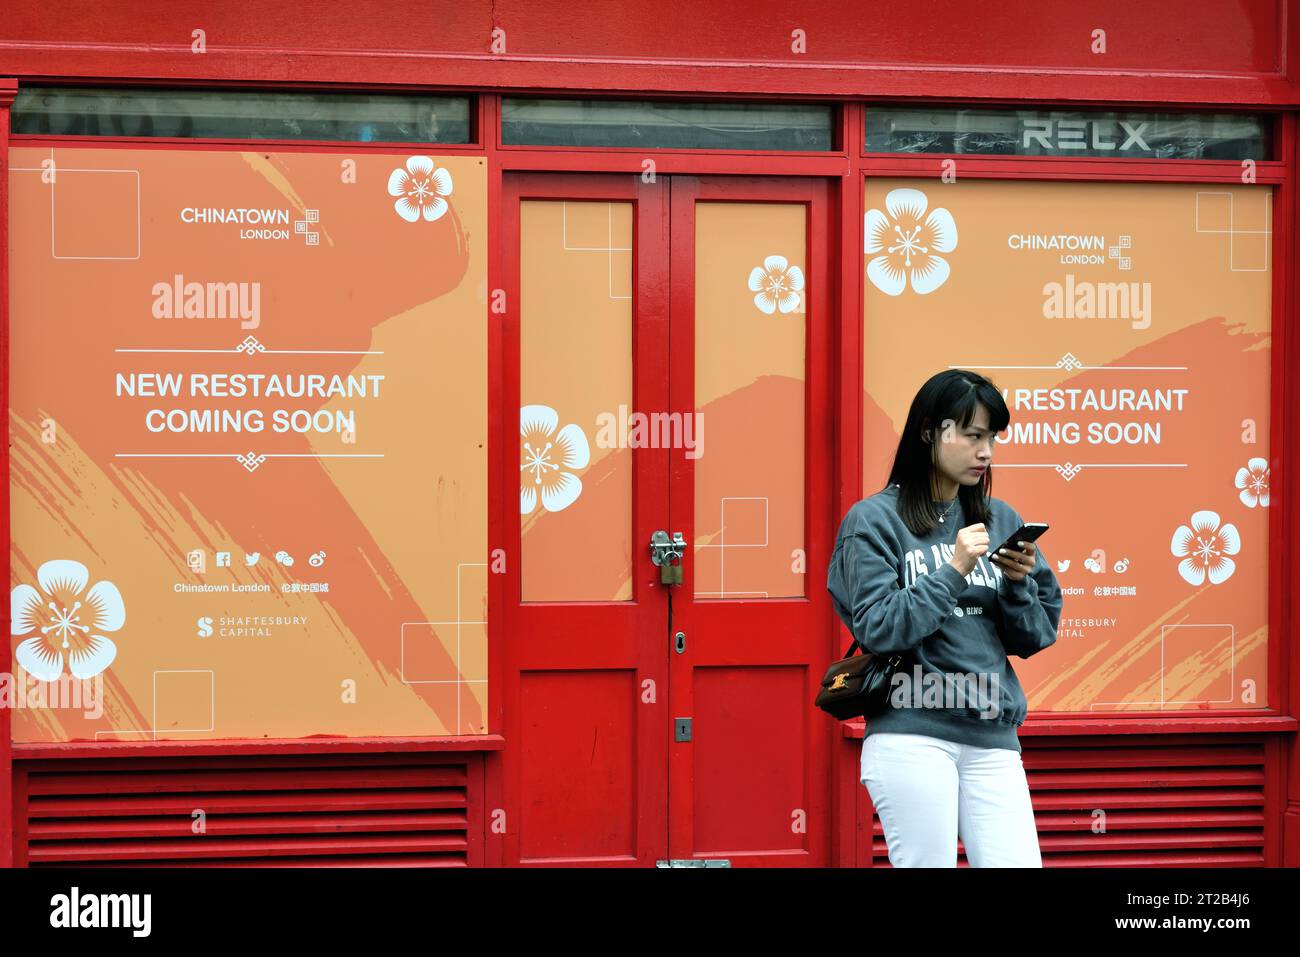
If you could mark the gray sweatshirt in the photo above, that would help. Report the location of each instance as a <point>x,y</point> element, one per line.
<point>898,594</point>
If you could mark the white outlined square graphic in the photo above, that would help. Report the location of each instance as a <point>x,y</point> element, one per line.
<point>1197,643</point>
<point>586,237</point>
<point>745,521</point>
<point>1182,643</point>
<point>1216,212</point>
<point>755,518</point>
<point>468,625</point>
<point>95,214</point>
<point>420,642</point>
<point>427,637</point>
<point>185,691</point>
<point>151,733</point>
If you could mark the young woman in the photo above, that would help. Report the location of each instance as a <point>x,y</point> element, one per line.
<point>911,575</point>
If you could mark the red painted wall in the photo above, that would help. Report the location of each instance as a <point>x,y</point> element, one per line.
<point>1175,50</point>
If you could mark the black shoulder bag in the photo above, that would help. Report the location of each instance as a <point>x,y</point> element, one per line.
<point>857,685</point>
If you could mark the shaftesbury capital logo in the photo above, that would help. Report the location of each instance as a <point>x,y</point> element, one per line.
<point>907,243</point>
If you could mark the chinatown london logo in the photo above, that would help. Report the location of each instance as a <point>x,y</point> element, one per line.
<point>258,223</point>
<point>905,243</point>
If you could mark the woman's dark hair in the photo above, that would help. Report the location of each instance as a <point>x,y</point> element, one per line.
<point>953,394</point>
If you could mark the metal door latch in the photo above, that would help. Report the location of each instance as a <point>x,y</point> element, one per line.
<point>667,553</point>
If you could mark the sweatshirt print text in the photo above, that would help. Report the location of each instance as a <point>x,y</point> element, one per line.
<point>897,594</point>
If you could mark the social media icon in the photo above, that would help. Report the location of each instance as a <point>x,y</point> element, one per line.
<point>1063,566</point>
<point>251,558</point>
<point>317,559</point>
<point>197,560</point>
<point>223,559</point>
<point>284,558</point>
<point>1121,566</point>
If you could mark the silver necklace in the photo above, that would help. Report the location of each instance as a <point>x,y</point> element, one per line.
<point>947,510</point>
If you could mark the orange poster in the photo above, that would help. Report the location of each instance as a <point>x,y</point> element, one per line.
<point>247,432</point>
<point>1128,327</point>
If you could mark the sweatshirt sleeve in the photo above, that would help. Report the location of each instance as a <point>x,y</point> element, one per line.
<point>1031,608</point>
<point>884,617</point>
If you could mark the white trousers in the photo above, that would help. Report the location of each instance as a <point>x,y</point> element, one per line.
<point>929,791</point>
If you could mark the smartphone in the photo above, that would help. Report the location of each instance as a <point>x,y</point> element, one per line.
<point>1028,532</point>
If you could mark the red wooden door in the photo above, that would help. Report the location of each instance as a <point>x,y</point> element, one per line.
<point>750,333</point>
<point>662,341</point>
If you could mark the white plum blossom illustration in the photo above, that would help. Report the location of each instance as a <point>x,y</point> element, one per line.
<point>546,457</point>
<point>776,284</point>
<point>908,242</point>
<point>419,189</point>
<point>1253,483</point>
<point>70,621</point>
<point>1204,549</point>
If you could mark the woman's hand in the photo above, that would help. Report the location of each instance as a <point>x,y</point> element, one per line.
<point>1016,564</point>
<point>972,542</point>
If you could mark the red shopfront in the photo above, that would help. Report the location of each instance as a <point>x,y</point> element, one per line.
<point>272,298</point>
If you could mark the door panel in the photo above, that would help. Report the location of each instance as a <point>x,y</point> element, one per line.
<point>749,393</point>
<point>751,295</point>
<point>584,621</point>
<point>703,305</point>
<point>575,368</point>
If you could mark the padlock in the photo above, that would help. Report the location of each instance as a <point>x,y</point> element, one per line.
<point>667,552</point>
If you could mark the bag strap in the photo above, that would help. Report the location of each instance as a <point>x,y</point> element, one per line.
<point>849,652</point>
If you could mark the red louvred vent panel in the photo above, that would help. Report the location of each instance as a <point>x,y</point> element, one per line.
<point>394,810</point>
<point>1174,805</point>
